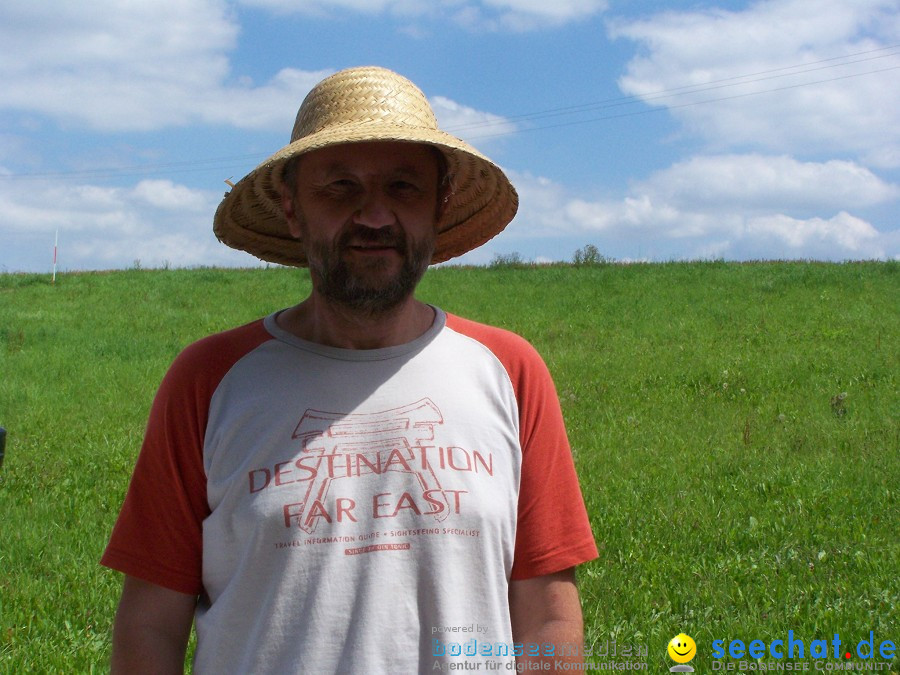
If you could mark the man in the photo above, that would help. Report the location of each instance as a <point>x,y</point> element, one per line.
<point>361,482</point>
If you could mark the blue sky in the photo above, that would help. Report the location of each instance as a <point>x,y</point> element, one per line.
<point>654,130</point>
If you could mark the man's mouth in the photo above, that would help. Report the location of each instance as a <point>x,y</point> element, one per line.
<point>373,248</point>
<point>373,241</point>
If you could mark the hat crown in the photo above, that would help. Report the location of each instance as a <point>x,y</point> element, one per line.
<point>368,95</point>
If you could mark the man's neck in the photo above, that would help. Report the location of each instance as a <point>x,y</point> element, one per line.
<point>326,323</point>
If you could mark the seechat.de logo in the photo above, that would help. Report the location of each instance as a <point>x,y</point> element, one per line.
<point>682,649</point>
<point>833,654</point>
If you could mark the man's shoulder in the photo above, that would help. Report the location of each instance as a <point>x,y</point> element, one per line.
<point>527,372</point>
<point>215,354</point>
<point>513,350</point>
<point>487,334</point>
<point>233,338</point>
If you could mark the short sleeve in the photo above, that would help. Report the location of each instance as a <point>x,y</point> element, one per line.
<point>553,531</point>
<point>158,534</point>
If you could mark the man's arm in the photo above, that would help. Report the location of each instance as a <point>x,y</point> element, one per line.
<point>152,628</point>
<point>546,611</point>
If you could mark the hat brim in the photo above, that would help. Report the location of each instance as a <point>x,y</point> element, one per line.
<point>481,204</point>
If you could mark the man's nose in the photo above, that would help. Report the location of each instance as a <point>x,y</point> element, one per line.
<point>375,210</point>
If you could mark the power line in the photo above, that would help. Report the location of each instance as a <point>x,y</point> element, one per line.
<point>140,170</point>
<point>688,105</point>
<point>193,166</point>
<point>686,89</point>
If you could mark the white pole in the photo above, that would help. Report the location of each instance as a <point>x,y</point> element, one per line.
<point>55,245</point>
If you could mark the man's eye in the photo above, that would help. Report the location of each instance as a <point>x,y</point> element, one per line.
<point>340,187</point>
<point>403,186</point>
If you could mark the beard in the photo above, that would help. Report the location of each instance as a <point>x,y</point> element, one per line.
<point>368,287</point>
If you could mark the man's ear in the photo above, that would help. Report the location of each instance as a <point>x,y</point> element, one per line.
<point>443,200</point>
<point>290,212</point>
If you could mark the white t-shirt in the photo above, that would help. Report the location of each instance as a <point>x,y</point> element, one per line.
<point>352,510</point>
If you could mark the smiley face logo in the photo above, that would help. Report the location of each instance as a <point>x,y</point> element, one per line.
<point>682,648</point>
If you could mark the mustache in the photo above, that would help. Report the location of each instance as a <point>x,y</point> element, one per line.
<point>360,235</point>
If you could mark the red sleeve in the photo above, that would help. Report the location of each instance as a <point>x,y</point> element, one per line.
<point>158,535</point>
<point>553,531</point>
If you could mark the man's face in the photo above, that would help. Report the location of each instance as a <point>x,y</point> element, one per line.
<point>367,214</point>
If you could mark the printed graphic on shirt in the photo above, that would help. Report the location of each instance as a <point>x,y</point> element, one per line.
<point>336,447</point>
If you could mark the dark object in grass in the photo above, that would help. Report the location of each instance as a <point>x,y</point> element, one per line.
<point>837,404</point>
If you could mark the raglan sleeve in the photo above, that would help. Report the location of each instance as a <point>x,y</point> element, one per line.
<point>158,534</point>
<point>553,531</point>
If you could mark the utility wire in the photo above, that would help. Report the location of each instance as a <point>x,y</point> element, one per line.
<point>192,166</point>
<point>686,89</point>
<point>685,105</point>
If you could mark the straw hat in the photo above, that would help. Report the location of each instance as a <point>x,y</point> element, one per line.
<point>359,105</point>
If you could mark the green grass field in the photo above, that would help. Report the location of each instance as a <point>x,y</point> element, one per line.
<point>736,430</point>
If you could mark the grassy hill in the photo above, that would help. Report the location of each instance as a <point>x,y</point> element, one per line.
<point>735,429</point>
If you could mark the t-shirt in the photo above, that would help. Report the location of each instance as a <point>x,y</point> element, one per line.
<point>352,510</point>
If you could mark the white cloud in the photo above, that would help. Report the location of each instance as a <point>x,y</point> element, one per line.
<point>271,106</point>
<point>756,50</point>
<point>749,207</point>
<point>766,183</point>
<point>111,65</point>
<point>157,222</point>
<point>167,196</point>
<point>527,15</point>
<point>339,8</point>
<point>514,15</point>
<point>739,207</point>
<point>815,237</point>
<point>144,65</point>
<point>562,9</point>
<point>468,123</point>
<point>154,64</point>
